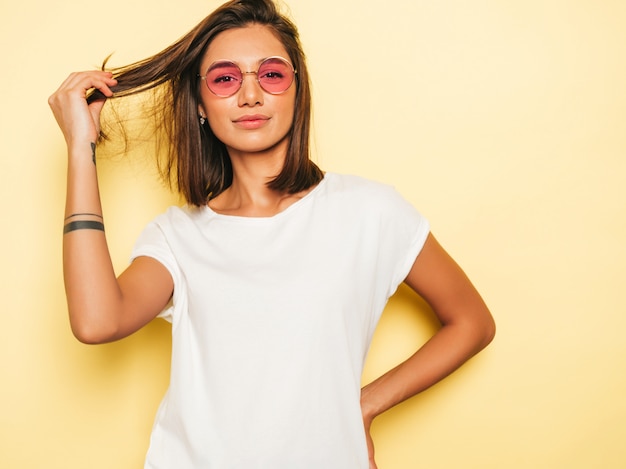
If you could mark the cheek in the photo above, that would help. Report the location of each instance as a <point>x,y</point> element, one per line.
<point>216,118</point>
<point>287,109</point>
<point>208,103</point>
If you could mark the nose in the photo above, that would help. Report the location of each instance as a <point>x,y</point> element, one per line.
<point>250,93</point>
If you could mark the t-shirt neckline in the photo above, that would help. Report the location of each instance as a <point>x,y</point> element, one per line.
<point>294,206</point>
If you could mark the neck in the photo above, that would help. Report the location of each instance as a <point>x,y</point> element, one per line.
<point>249,195</point>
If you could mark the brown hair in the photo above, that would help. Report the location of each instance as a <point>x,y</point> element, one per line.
<point>196,160</point>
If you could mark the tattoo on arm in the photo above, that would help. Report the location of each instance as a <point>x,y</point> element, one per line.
<point>83,225</point>
<point>83,214</point>
<point>93,152</point>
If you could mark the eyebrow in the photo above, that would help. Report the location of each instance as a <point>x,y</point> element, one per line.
<point>222,64</point>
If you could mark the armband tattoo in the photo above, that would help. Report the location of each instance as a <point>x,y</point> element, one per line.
<point>83,214</point>
<point>83,225</point>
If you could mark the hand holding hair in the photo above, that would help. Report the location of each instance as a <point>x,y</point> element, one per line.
<point>77,116</point>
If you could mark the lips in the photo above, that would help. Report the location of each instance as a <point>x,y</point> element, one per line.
<point>253,118</point>
<point>251,121</point>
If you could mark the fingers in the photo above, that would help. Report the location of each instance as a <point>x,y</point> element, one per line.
<point>76,118</point>
<point>73,92</point>
<point>82,82</point>
<point>370,453</point>
<point>370,445</point>
<point>95,108</point>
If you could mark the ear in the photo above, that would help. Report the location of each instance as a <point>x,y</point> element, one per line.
<point>201,111</point>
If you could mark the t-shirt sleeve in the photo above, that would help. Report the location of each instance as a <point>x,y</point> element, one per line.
<point>152,242</point>
<point>404,232</point>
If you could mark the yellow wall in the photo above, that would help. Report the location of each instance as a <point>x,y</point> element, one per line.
<point>503,121</point>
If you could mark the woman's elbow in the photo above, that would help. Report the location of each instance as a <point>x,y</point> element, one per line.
<point>91,332</point>
<point>487,331</point>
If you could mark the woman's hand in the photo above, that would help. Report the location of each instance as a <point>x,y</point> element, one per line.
<point>367,423</point>
<point>79,121</point>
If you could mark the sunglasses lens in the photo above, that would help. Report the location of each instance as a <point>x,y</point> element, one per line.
<point>224,78</point>
<point>275,75</point>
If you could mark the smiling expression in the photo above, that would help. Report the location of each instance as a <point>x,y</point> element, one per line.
<point>251,120</point>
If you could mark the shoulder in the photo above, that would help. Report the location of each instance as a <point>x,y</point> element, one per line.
<point>362,191</point>
<point>378,202</point>
<point>351,185</point>
<point>175,224</point>
<point>175,216</point>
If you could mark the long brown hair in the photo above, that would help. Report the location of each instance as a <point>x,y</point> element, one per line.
<point>196,160</point>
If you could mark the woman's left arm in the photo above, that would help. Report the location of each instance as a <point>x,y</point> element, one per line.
<point>467,328</point>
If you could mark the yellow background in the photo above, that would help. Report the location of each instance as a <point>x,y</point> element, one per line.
<point>503,121</point>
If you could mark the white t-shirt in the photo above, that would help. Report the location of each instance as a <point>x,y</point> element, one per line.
<point>271,322</point>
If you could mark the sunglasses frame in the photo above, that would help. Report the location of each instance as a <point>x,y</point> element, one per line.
<point>243,74</point>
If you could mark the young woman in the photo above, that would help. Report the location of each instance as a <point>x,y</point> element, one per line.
<point>274,274</point>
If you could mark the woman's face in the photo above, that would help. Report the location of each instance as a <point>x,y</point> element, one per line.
<point>251,120</point>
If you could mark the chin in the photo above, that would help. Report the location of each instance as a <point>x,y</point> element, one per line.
<point>259,147</point>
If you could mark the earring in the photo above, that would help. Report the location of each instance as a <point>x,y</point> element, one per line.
<point>202,119</point>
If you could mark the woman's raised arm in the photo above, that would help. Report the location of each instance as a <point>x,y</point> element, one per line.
<point>102,307</point>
